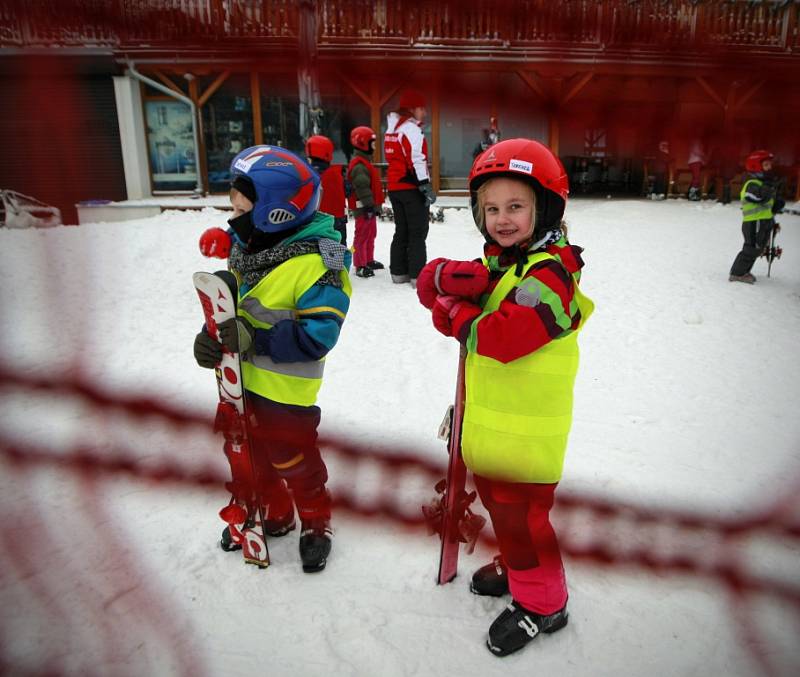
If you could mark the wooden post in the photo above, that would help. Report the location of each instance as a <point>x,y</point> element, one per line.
<point>554,110</point>
<point>255,96</point>
<point>435,139</point>
<point>200,160</point>
<point>375,119</point>
<point>553,130</point>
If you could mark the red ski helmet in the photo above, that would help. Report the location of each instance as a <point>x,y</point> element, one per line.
<point>319,147</point>
<point>360,137</point>
<point>531,162</point>
<point>754,161</point>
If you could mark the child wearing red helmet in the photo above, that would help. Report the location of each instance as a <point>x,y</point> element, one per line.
<point>365,200</point>
<point>517,311</point>
<point>319,151</point>
<point>760,202</point>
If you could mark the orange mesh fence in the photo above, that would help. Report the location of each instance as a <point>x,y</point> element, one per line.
<point>598,531</point>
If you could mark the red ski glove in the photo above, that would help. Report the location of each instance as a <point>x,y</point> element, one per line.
<point>452,316</point>
<point>467,279</point>
<point>215,242</point>
<point>426,285</point>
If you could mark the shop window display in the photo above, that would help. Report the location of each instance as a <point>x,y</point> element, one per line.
<point>227,129</point>
<point>170,145</point>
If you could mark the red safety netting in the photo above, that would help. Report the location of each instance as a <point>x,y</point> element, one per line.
<point>599,531</point>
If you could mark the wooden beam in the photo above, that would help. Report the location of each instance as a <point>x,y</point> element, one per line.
<point>168,82</point>
<point>389,94</point>
<point>744,98</point>
<point>532,80</point>
<point>702,82</point>
<point>577,87</point>
<point>213,87</point>
<point>255,97</point>
<point>359,92</point>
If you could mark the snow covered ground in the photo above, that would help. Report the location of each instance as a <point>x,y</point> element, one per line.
<point>686,398</point>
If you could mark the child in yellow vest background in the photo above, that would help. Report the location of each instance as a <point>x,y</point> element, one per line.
<point>760,202</point>
<point>517,311</point>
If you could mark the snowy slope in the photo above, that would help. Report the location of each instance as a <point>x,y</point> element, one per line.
<point>687,397</point>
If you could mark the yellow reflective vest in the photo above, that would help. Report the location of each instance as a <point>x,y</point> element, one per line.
<point>755,211</point>
<point>273,299</point>
<point>517,416</point>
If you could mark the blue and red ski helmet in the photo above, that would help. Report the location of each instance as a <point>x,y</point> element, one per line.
<point>287,190</point>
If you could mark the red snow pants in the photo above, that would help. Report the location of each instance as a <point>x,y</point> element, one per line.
<point>364,240</point>
<point>520,515</point>
<point>285,452</point>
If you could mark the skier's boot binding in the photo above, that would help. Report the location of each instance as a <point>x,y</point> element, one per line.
<point>315,544</point>
<point>516,626</point>
<point>491,579</point>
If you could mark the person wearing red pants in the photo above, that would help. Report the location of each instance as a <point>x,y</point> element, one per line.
<point>365,200</point>
<point>518,312</point>
<point>294,294</point>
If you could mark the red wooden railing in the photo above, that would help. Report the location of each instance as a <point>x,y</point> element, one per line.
<point>770,25</point>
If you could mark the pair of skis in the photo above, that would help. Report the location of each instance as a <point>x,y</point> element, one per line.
<point>771,251</point>
<point>449,514</point>
<point>244,514</point>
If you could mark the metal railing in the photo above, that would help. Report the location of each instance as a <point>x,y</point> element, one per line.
<point>695,25</point>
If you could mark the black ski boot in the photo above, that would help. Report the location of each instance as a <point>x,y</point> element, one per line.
<point>517,626</point>
<point>491,579</point>
<point>375,265</point>
<point>365,271</point>
<point>226,542</point>
<point>274,528</point>
<point>315,544</point>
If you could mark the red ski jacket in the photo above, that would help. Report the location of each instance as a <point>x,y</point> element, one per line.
<point>406,152</point>
<point>333,198</point>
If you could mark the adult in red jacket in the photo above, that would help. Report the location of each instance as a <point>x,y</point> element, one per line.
<point>408,182</point>
<point>319,150</point>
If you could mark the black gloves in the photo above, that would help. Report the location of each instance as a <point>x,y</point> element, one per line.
<point>427,191</point>
<point>236,334</point>
<point>207,351</point>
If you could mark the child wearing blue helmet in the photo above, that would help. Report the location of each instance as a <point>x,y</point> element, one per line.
<point>294,294</point>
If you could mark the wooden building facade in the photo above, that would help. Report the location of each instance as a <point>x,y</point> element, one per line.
<point>602,82</point>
